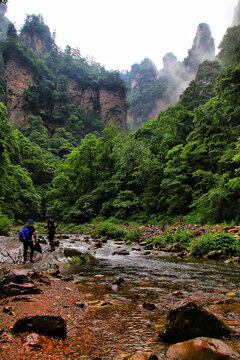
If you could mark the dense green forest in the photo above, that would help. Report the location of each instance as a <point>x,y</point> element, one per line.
<point>185,161</point>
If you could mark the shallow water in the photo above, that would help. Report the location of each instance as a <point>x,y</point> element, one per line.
<point>154,278</point>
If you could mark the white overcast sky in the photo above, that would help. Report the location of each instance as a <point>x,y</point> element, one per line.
<point>119,33</point>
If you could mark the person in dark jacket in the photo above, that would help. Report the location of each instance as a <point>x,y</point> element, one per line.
<point>51,230</point>
<point>28,243</point>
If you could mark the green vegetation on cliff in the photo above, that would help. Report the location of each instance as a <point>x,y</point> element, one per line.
<point>59,81</point>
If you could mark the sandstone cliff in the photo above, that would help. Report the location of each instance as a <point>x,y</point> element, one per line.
<point>57,85</point>
<point>18,78</point>
<point>112,108</point>
<point>107,105</point>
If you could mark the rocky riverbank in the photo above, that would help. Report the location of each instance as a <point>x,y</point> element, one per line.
<point>109,312</point>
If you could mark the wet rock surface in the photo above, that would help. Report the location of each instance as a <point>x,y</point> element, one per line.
<point>49,325</point>
<point>202,349</point>
<point>14,284</point>
<point>186,320</point>
<point>121,252</point>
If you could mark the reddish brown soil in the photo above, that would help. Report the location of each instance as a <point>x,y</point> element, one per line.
<point>92,332</point>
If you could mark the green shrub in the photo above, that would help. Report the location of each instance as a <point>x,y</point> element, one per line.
<point>134,234</point>
<point>201,246</point>
<point>4,225</point>
<point>106,228</point>
<point>180,236</point>
<point>210,242</point>
<point>157,239</point>
<point>168,237</point>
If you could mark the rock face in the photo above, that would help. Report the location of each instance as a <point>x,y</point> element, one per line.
<point>112,108</point>
<point>11,285</point>
<point>18,79</point>
<point>186,320</point>
<point>107,105</point>
<point>34,41</point>
<point>202,349</point>
<point>48,325</point>
<point>85,98</point>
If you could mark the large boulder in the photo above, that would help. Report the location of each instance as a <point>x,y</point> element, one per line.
<point>47,325</point>
<point>202,349</point>
<point>14,284</point>
<point>186,320</point>
<point>72,252</point>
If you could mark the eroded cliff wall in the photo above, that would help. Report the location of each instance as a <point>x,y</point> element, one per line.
<point>18,78</point>
<point>107,105</point>
<point>112,108</point>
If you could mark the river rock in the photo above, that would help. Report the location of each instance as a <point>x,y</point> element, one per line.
<point>121,252</point>
<point>186,320</point>
<point>71,252</point>
<point>9,310</point>
<point>36,340</point>
<point>115,287</point>
<point>142,356</point>
<point>42,324</point>
<point>148,252</point>
<point>13,284</point>
<point>202,349</point>
<point>119,281</point>
<point>98,245</point>
<point>148,247</point>
<point>177,293</point>
<point>215,255</point>
<point>236,260</point>
<point>149,305</point>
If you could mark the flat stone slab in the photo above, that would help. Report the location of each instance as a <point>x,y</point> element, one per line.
<point>14,284</point>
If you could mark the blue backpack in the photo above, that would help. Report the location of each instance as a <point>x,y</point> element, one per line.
<point>24,234</point>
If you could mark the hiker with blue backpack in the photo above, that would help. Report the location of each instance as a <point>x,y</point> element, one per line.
<point>25,235</point>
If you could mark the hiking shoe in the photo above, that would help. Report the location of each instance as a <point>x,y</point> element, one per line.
<point>31,260</point>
